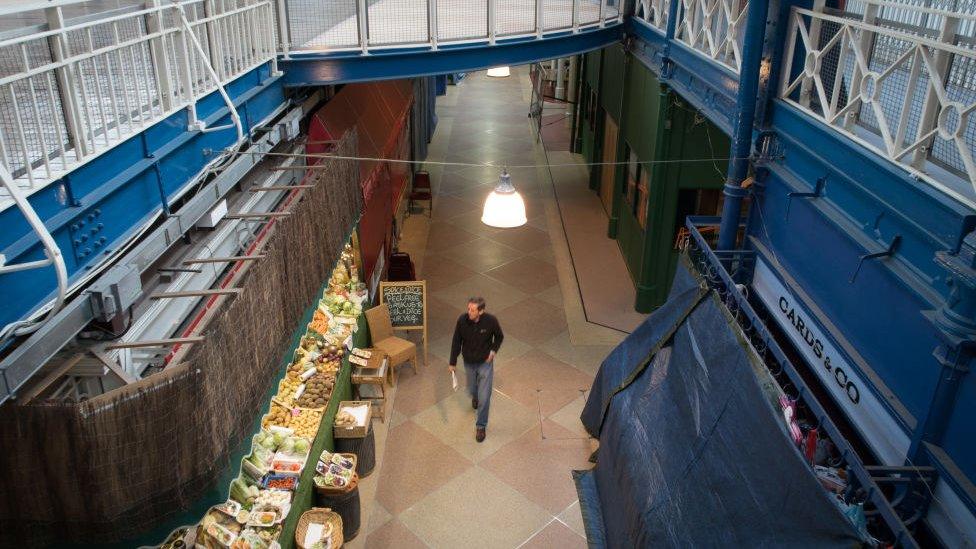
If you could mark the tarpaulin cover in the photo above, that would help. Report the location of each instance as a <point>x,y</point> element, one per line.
<point>692,454</point>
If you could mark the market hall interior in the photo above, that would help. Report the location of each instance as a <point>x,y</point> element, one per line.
<point>436,486</point>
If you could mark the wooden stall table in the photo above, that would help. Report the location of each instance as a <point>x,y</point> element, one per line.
<point>376,372</point>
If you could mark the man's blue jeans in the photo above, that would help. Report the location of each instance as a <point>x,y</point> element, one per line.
<point>479,375</point>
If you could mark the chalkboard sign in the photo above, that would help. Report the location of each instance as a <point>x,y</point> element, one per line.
<point>407,302</point>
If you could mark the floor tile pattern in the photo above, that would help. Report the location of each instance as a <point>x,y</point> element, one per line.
<point>438,487</point>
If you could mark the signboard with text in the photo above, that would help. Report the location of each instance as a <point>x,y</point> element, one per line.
<point>408,306</point>
<point>407,302</point>
<point>844,382</point>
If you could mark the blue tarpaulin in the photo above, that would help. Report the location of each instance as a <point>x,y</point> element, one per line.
<point>692,452</point>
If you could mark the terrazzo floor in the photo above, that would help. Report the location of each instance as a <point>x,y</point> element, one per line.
<point>434,485</point>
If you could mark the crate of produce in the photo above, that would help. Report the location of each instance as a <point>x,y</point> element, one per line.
<point>352,419</point>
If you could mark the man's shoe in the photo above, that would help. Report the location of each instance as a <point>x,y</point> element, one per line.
<point>479,434</point>
<point>474,402</point>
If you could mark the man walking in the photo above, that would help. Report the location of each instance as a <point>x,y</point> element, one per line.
<point>477,337</point>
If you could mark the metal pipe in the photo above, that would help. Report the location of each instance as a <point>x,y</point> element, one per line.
<point>749,75</point>
<point>672,28</point>
<point>560,79</point>
<point>234,116</point>
<point>51,249</point>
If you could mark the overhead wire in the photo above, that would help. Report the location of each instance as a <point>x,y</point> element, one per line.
<point>326,156</point>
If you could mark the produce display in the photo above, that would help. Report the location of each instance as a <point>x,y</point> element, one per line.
<point>261,497</point>
<point>345,419</point>
<point>334,470</point>
<point>318,390</point>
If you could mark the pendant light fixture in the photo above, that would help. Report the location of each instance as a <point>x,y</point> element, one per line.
<point>504,207</point>
<point>499,72</point>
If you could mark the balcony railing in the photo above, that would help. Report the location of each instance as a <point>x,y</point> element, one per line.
<point>654,12</point>
<point>715,28</point>
<point>899,79</point>
<point>71,90</point>
<point>369,25</point>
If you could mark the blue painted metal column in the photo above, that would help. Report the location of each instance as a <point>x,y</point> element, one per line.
<point>956,322</point>
<point>672,20</point>
<point>749,75</point>
<point>667,65</point>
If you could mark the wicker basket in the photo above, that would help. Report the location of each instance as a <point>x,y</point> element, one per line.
<point>330,491</point>
<point>326,491</point>
<point>322,516</point>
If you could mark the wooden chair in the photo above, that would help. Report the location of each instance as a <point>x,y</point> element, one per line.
<point>421,191</point>
<point>398,350</point>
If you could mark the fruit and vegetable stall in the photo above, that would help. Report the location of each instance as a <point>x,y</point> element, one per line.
<point>277,478</point>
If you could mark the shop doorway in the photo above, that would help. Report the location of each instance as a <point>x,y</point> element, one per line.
<point>608,170</point>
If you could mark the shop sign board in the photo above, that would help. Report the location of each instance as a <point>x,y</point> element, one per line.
<point>843,381</point>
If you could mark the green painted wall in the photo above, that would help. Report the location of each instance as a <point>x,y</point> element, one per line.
<point>686,135</point>
<point>612,80</point>
<point>590,135</point>
<point>592,69</point>
<point>639,133</point>
<point>656,124</point>
<point>642,109</point>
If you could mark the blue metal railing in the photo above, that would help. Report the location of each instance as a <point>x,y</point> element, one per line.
<point>722,271</point>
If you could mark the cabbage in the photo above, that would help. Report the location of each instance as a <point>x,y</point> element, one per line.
<point>289,446</point>
<point>301,446</point>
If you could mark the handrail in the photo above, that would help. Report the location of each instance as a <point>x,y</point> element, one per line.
<point>897,93</point>
<point>919,9</point>
<point>79,89</point>
<point>368,28</point>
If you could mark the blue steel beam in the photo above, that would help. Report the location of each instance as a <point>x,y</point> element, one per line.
<point>317,69</point>
<point>708,86</point>
<point>98,207</point>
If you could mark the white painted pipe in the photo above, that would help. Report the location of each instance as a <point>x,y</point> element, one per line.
<point>234,116</point>
<point>560,79</point>
<point>52,251</point>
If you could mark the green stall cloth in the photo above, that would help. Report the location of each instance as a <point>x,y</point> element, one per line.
<point>305,494</point>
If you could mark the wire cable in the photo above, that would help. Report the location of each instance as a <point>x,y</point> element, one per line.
<point>476,164</point>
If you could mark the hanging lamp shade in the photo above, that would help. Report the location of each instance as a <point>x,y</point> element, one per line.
<point>499,72</point>
<point>504,207</point>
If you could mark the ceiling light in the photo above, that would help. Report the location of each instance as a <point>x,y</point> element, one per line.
<point>499,72</point>
<point>504,207</point>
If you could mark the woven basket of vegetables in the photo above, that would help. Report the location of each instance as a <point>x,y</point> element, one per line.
<point>332,532</point>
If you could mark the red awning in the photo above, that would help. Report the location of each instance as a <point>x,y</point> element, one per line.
<point>377,110</point>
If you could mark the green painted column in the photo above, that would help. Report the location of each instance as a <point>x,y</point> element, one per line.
<point>594,65</point>
<point>620,171</point>
<point>652,281</point>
